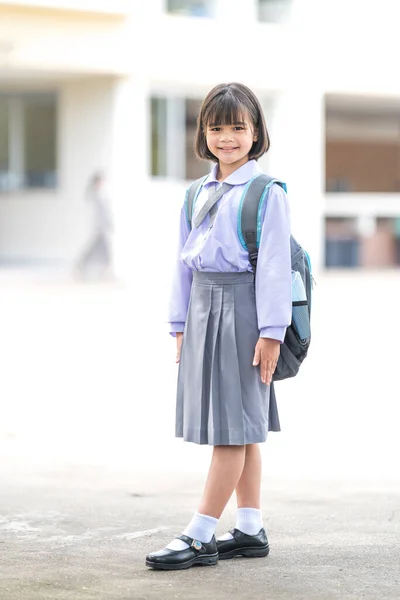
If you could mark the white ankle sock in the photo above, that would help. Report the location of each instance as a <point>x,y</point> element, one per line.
<point>248,520</point>
<point>201,527</point>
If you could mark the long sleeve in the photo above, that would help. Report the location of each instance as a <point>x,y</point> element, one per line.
<point>273,277</point>
<point>181,283</point>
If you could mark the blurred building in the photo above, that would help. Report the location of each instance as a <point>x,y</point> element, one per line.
<point>116,85</point>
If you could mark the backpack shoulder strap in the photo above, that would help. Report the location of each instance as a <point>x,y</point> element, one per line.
<point>191,196</point>
<point>250,205</point>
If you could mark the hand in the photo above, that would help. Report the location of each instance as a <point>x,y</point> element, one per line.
<point>266,355</point>
<point>179,340</point>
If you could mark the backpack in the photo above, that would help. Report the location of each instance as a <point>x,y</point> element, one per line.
<point>298,335</point>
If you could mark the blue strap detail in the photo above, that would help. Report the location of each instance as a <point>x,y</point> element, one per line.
<point>186,207</point>
<point>311,275</point>
<point>261,205</point>
<point>309,261</point>
<point>262,202</point>
<point>239,221</point>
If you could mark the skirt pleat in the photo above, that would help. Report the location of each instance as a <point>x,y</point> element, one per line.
<point>220,397</point>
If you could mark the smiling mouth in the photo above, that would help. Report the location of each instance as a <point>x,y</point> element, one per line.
<point>228,149</point>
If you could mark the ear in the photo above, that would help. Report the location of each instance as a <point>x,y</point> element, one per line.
<point>255,136</point>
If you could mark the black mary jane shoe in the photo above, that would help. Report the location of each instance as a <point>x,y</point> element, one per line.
<point>249,546</point>
<point>198,553</point>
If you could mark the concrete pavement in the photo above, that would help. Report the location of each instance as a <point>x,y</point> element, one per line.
<point>78,534</point>
<point>91,477</point>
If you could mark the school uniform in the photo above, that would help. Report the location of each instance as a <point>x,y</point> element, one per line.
<point>214,300</point>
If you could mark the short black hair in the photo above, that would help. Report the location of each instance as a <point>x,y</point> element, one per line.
<point>226,104</point>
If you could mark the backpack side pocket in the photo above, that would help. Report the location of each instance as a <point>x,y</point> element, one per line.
<point>301,320</point>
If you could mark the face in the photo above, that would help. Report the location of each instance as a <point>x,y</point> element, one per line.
<point>231,144</point>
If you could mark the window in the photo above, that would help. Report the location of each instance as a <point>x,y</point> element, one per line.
<point>397,239</point>
<point>173,128</point>
<point>195,168</point>
<point>362,145</point>
<point>342,244</point>
<point>367,242</point>
<point>274,11</point>
<point>4,143</point>
<point>194,8</point>
<point>27,142</point>
<point>158,136</point>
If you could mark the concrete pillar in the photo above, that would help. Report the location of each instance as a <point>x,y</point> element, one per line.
<point>150,8</point>
<point>129,168</point>
<point>84,124</point>
<point>237,10</point>
<point>297,156</point>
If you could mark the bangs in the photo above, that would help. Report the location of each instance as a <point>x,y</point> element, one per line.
<point>225,110</point>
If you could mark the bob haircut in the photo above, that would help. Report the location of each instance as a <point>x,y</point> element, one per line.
<point>227,104</point>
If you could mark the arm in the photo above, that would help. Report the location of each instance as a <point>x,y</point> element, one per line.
<point>273,283</point>
<point>274,272</point>
<point>181,283</point>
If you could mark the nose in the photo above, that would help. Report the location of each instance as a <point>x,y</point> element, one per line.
<point>226,135</point>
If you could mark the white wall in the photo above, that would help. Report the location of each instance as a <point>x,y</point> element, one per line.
<point>61,42</point>
<point>361,204</point>
<point>85,148</point>
<point>99,6</point>
<point>297,156</point>
<point>132,197</point>
<point>52,226</point>
<point>275,54</point>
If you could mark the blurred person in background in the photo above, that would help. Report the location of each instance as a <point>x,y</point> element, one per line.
<point>96,259</point>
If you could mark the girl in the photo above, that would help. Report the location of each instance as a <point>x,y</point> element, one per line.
<point>228,330</point>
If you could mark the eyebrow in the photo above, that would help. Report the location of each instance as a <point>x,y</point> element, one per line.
<point>233,124</point>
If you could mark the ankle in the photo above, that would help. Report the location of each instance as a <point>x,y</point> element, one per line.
<point>201,527</point>
<point>249,520</point>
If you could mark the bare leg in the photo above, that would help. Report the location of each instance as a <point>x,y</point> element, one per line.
<point>225,472</point>
<point>248,489</point>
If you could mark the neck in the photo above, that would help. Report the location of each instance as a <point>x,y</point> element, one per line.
<point>224,169</point>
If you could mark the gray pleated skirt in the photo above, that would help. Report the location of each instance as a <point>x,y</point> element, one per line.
<point>220,397</point>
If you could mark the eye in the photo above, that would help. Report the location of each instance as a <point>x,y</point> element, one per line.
<point>239,128</point>
<point>215,129</point>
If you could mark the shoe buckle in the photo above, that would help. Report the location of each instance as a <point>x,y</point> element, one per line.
<point>197,545</point>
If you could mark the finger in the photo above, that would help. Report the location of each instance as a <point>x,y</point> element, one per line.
<point>272,370</point>
<point>263,370</point>
<point>178,352</point>
<point>268,373</point>
<point>257,356</point>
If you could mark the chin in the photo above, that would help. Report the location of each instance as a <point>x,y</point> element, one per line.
<point>230,159</point>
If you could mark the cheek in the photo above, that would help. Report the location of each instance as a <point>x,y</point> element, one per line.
<point>210,140</point>
<point>250,139</point>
